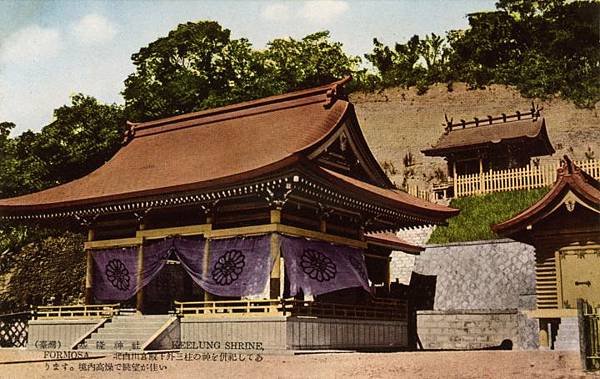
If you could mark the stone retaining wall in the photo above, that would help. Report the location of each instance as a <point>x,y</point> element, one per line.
<point>480,289</point>
<point>467,329</point>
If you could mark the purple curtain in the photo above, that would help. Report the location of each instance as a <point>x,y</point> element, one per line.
<point>115,273</point>
<point>238,266</point>
<point>318,267</point>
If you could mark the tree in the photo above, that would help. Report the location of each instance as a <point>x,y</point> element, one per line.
<point>83,136</point>
<point>399,66</point>
<point>434,51</point>
<point>195,67</point>
<point>199,66</point>
<point>544,48</point>
<point>309,62</point>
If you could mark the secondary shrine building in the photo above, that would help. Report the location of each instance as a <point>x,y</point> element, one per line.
<point>262,221</point>
<point>564,228</point>
<point>488,143</point>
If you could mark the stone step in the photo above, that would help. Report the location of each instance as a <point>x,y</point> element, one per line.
<point>138,320</point>
<point>126,330</point>
<point>135,325</point>
<point>110,335</point>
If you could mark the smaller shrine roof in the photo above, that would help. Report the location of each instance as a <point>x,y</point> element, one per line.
<point>571,182</point>
<point>528,128</point>
<point>390,240</point>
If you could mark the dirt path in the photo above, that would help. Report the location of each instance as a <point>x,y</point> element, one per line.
<point>460,364</point>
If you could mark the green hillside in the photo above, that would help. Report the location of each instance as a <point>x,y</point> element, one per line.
<point>478,213</point>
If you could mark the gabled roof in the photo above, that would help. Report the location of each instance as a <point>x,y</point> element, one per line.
<point>527,128</point>
<point>219,149</point>
<point>572,186</point>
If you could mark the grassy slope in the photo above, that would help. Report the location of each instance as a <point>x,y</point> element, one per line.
<point>477,213</point>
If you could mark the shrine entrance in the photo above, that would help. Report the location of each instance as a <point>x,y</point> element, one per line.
<point>580,278</point>
<point>171,284</point>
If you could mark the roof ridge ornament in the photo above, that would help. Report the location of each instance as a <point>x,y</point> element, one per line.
<point>129,133</point>
<point>534,112</point>
<point>336,91</point>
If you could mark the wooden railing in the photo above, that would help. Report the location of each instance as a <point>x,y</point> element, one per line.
<point>516,179</point>
<point>525,178</point>
<point>230,308</point>
<point>415,191</point>
<point>76,311</point>
<point>378,309</point>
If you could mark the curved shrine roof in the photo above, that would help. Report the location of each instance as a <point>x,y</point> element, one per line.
<point>202,149</point>
<point>571,179</point>
<point>531,131</point>
<point>228,146</point>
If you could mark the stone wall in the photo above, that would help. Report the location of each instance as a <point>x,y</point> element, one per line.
<point>458,330</point>
<point>481,288</point>
<point>497,274</point>
<point>416,236</point>
<point>401,267</point>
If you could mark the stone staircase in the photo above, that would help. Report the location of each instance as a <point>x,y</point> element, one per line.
<point>567,338</point>
<point>125,332</point>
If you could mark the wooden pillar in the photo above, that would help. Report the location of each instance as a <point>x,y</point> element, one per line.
<point>139,304</point>
<point>454,178</point>
<point>139,299</point>
<point>207,295</point>
<point>275,277</point>
<point>276,216</point>
<point>89,271</point>
<point>388,278</point>
<point>481,183</point>
<point>323,225</point>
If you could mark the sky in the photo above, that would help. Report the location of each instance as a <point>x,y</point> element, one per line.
<point>50,50</point>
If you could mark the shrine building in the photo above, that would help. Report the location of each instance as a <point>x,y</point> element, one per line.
<point>492,143</point>
<point>564,228</point>
<point>268,221</point>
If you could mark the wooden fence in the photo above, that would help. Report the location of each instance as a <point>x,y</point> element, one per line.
<point>589,335</point>
<point>415,191</point>
<point>516,179</point>
<point>13,329</point>
<point>528,177</point>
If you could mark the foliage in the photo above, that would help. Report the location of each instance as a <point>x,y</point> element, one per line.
<point>199,66</point>
<point>544,48</point>
<point>309,62</point>
<point>52,267</point>
<point>83,136</point>
<point>389,168</point>
<point>478,213</point>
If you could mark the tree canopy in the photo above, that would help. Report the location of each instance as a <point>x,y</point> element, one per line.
<point>199,66</point>
<point>544,48</point>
